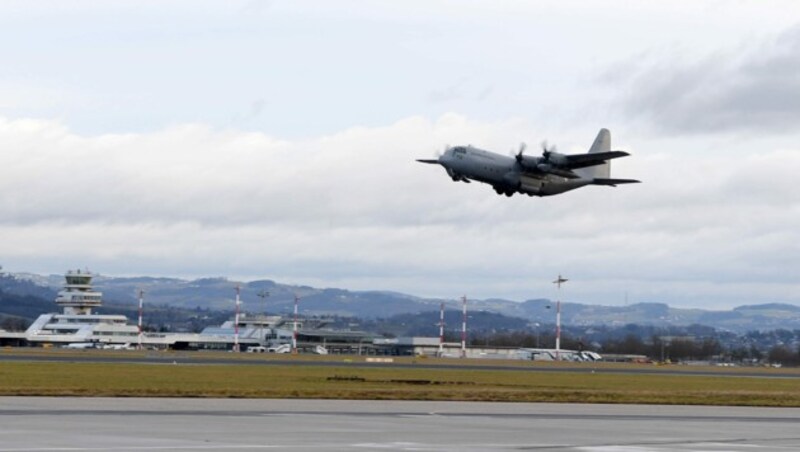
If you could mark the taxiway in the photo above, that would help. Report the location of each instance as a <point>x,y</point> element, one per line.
<point>45,424</point>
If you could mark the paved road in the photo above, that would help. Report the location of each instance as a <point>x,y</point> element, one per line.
<point>109,424</point>
<point>94,356</point>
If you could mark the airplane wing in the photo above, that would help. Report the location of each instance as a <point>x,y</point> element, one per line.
<point>563,164</point>
<point>576,161</point>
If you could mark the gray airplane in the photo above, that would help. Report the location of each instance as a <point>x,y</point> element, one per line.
<point>550,174</point>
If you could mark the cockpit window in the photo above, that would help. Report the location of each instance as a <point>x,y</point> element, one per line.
<point>459,150</point>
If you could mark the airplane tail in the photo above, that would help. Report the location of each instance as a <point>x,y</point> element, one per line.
<point>601,144</point>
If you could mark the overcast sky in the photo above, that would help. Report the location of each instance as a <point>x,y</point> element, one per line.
<point>276,139</point>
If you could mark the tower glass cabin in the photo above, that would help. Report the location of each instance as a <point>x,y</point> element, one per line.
<point>78,298</point>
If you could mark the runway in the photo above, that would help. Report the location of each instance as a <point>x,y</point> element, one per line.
<point>94,424</point>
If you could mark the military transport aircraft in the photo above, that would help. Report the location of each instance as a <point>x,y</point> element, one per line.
<point>550,174</point>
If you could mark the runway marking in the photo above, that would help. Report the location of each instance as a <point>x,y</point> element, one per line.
<point>693,447</point>
<point>777,418</point>
<point>397,446</point>
<point>323,446</point>
<point>671,446</point>
<point>121,448</point>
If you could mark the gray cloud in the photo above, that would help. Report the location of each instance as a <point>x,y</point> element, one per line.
<point>756,88</point>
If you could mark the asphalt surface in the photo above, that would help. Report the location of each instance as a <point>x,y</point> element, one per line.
<point>199,358</point>
<point>110,424</point>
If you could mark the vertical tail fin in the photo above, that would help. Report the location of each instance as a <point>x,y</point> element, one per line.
<point>601,144</point>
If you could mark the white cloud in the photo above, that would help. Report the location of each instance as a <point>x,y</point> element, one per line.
<point>353,209</point>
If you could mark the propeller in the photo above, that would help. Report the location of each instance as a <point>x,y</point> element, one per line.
<point>518,156</point>
<point>547,151</point>
<point>437,154</point>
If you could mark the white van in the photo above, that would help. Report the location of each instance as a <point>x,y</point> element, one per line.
<point>256,349</point>
<point>283,348</point>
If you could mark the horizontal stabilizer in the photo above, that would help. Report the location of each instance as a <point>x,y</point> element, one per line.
<point>613,182</point>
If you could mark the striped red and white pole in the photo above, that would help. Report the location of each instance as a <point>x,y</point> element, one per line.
<point>236,322</point>
<point>441,329</point>
<point>141,303</point>
<point>294,335</point>
<point>464,327</point>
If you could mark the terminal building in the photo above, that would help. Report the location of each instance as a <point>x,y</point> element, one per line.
<point>78,326</point>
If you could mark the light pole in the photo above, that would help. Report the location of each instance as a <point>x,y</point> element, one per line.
<point>558,283</point>
<point>263,294</point>
<point>464,328</point>
<point>236,321</point>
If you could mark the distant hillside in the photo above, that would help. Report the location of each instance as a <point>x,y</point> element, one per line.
<point>24,299</point>
<point>427,324</point>
<point>218,294</point>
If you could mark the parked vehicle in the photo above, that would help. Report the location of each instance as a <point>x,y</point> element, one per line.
<point>80,345</point>
<point>283,348</point>
<point>256,349</point>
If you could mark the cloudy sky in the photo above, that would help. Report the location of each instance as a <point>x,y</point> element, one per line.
<point>276,139</point>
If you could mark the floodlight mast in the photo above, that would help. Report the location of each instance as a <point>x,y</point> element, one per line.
<point>558,283</point>
<point>263,294</point>
<point>236,321</point>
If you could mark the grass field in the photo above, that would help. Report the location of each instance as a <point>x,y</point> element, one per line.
<point>352,382</point>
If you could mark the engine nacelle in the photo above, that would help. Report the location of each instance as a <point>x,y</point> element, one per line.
<point>557,159</point>
<point>528,162</point>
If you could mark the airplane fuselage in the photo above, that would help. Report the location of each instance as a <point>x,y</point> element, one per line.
<point>503,173</point>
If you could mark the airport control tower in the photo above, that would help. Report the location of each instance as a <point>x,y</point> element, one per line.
<point>78,298</point>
